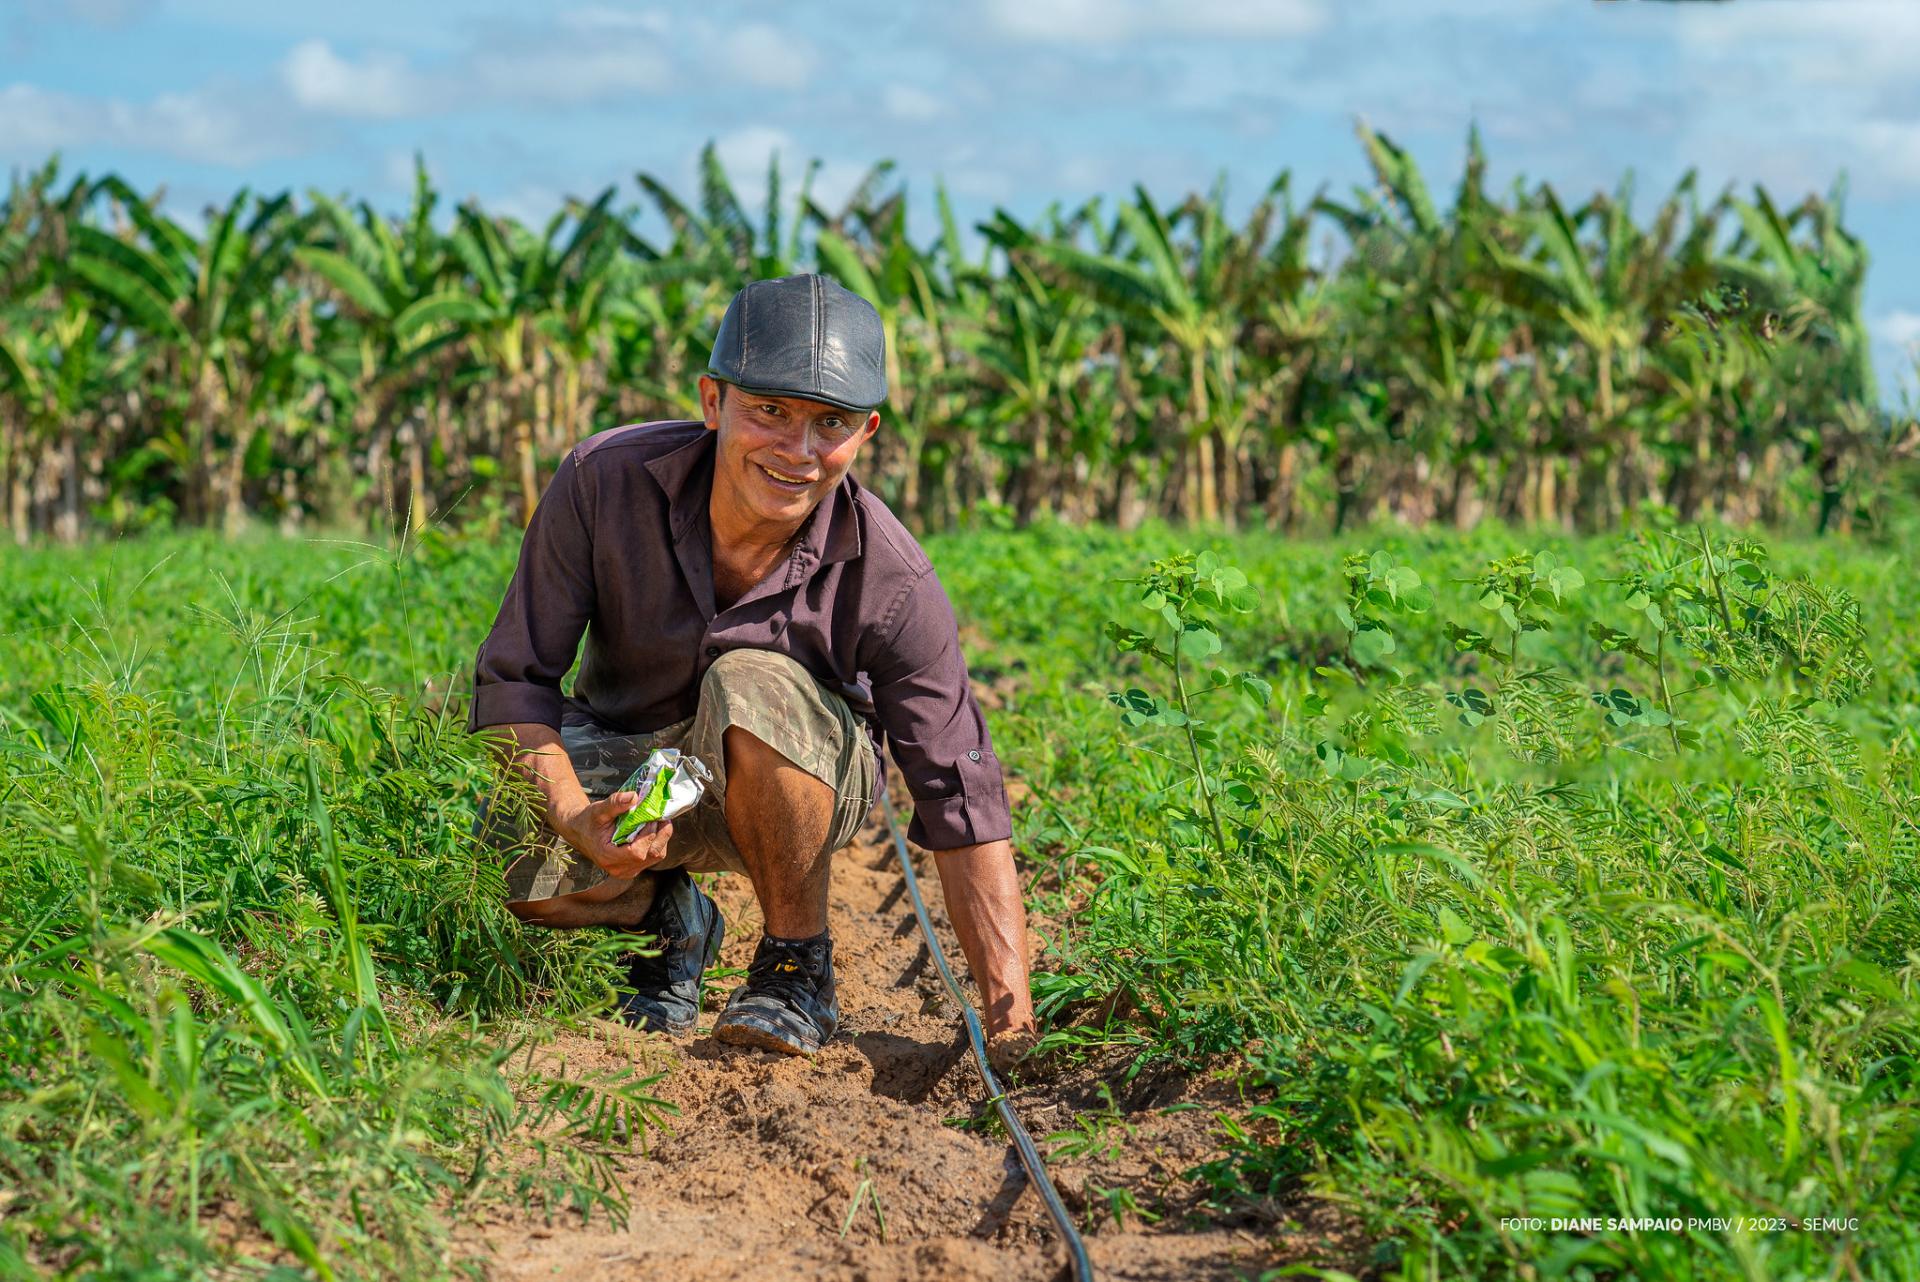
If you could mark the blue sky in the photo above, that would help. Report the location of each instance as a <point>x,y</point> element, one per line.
<point>1012,102</point>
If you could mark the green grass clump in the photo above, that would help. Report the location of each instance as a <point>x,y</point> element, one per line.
<point>252,962</point>
<point>1575,884</point>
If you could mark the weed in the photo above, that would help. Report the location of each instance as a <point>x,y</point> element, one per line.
<point>865,1193</point>
<point>1101,1132</point>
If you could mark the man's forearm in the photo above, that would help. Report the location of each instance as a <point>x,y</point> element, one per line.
<point>540,756</point>
<point>989,914</point>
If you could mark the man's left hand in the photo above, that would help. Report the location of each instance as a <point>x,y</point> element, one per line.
<point>1006,1049</point>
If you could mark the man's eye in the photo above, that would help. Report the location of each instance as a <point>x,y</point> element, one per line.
<point>768,407</point>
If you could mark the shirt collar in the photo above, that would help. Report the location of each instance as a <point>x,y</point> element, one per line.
<point>832,530</point>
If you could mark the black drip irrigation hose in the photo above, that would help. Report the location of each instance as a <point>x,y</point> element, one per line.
<point>1030,1159</point>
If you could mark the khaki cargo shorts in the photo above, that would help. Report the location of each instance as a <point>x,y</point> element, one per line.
<point>766,694</point>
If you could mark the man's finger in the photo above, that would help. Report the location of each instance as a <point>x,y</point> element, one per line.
<point>643,836</point>
<point>632,862</point>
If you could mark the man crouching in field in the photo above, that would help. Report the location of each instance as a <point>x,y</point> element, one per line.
<point>745,601</point>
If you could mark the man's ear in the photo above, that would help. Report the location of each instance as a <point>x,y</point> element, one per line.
<point>710,401</point>
<point>873,425</point>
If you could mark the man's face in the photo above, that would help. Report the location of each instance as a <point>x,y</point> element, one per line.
<point>778,456</point>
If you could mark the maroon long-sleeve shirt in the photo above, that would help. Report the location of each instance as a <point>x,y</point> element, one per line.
<point>620,550</point>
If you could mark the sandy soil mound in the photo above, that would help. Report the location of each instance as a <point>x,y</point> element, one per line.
<point>769,1153</point>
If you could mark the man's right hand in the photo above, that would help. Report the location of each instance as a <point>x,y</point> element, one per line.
<point>589,830</point>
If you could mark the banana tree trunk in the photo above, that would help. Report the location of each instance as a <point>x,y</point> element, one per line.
<point>13,439</point>
<point>1546,504</point>
<point>1280,509</point>
<point>543,436</point>
<point>1197,457</point>
<point>524,460</point>
<point>1205,482</point>
<point>1029,477</point>
<point>1346,488</point>
<point>413,446</point>
<point>1229,459</point>
<point>203,461</point>
<point>234,479</point>
<point>66,525</point>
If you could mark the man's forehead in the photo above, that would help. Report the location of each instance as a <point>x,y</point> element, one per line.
<point>801,405</point>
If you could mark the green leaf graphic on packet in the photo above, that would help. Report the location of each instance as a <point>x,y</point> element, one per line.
<point>669,782</point>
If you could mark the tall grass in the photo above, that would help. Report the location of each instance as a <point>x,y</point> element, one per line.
<point>256,988</point>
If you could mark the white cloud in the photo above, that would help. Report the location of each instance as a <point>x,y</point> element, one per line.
<point>561,75</point>
<point>531,204</point>
<point>379,86</point>
<point>604,18</point>
<point>910,102</point>
<point>397,170</point>
<point>1892,149</point>
<point>745,152</point>
<point>1108,22</point>
<point>582,63</point>
<point>1901,329</point>
<point>760,55</point>
<point>204,127</point>
<point>584,56</point>
<point>1834,42</point>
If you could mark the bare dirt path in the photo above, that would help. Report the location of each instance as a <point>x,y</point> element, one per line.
<point>768,1153</point>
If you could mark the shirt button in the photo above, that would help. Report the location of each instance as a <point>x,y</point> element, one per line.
<point>973,755</point>
<point>713,652</point>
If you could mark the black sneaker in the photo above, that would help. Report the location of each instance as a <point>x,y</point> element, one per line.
<point>688,930</point>
<point>787,1003</point>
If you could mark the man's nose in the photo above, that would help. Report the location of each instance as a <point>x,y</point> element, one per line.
<point>801,444</point>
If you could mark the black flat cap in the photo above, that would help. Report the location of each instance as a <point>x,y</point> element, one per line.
<point>803,336</point>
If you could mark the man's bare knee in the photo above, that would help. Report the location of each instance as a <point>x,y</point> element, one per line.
<point>748,755</point>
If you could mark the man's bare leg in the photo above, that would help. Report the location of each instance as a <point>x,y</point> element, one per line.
<point>780,818</point>
<point>603,905</point>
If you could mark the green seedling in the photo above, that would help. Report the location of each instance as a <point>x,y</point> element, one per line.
<point>1101,1132</point>
<point>865,1193</point>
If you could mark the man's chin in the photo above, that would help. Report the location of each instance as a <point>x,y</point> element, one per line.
<point>775,505</point>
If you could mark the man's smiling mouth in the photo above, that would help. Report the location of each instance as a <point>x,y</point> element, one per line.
<point>785,479</point>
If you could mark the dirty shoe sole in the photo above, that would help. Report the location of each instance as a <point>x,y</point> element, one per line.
<point>740,1029</point>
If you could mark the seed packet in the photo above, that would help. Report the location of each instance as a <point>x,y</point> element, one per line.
<point>669,783</point>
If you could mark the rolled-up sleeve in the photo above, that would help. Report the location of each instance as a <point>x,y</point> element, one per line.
<point>535,637</point>
<point>934,725</point>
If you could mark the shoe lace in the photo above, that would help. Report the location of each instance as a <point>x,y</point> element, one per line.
<point>791,974</point>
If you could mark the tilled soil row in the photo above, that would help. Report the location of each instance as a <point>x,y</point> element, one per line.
<point>769,1154</point>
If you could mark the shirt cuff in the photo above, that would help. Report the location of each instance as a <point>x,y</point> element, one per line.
<point>510,702</point>
<point>976,814</point>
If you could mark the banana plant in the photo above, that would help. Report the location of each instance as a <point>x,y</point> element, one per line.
<point>203,306</point>
<point>1031,354</point>
<point>516,278</point>
<point>398,310</point>
<point>1192,293</point>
